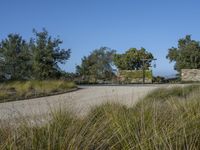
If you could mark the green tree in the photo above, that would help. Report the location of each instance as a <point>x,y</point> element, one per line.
<point>2,64</point>
<point>98,65</point>
<point>15,58</point>
<point>47,55</point>
<point>186,55</point>
<point>132,59</point>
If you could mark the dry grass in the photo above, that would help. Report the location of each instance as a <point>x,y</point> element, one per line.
<point>165,119</point>
<point>27,89</point>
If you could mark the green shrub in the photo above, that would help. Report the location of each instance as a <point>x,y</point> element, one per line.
<point>136,74</point>
<point>4,95</point>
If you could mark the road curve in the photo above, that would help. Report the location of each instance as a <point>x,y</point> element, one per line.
<point>79,101</point>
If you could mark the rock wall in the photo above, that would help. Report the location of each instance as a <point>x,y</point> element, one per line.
<point>190,75</point>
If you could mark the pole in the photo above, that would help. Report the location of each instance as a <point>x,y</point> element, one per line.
<point>143,67</point>
<point>143,71</point>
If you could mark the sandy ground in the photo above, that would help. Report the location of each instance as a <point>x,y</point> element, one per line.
<point>79,101</point>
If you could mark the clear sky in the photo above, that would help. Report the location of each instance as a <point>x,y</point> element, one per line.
<point>84,25</point>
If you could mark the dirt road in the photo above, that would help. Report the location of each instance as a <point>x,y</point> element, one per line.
<point>79,101</point>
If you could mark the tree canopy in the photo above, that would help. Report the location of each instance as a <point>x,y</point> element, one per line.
<point>98,65</point>
<point>15,57</point>
<point>47,54</point>
<point>132,59</point>
<point>34,59</point>
<point>186,55</point>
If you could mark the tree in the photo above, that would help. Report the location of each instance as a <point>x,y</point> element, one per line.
<point>47,54</point>
<point>2,64</point>
<point>38,58</point>
<point>186,55</point>
<point>132,59</point>
<point>15,58</point>
<point>98,65</point>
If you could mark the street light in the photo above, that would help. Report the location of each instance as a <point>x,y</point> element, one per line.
<point>143,66</point>
<point>1,65</point>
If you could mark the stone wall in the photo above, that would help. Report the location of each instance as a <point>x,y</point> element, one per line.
<point>190,75</point>
<point>134,76</point>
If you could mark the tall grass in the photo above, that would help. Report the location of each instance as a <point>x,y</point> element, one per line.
<point>27,89</point>
<point>165,119</point>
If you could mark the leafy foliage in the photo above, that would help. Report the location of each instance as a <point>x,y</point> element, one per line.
<point>132,59</point>
<point>136,74</point>
<point>159,79</point>
<point>35,59</point>
<point>186,55</point>
<point>98,65</point>
<point>15,57</point>
<point>46,55</point>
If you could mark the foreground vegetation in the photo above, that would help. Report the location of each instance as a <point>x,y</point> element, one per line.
<point>28,89</point>
<point>165,119</point>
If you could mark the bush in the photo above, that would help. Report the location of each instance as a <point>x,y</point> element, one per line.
<point>159,79</point>
<point>135,76</point>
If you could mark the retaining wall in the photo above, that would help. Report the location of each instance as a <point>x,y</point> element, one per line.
<point>190,75</point>
<point>134,76</point>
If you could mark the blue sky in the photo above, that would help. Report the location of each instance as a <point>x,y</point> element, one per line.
<point>85,25</point>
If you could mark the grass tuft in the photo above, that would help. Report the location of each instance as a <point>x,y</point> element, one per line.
<point>165,119</point>
<point>17,90</point>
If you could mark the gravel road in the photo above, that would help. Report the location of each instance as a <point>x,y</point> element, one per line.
<point>79,101</point>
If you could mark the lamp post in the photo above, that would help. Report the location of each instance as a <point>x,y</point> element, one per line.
<point>143,67</point>
<point>1,65</point>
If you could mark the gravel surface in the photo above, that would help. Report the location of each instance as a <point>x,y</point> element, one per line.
<point>79,101</point>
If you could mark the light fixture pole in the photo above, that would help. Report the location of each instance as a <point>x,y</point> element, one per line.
<point>144,60</point>
<point>1,65</point>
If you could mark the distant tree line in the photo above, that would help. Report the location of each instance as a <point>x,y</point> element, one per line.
<point>37,58</point>
<point>99,64</point>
